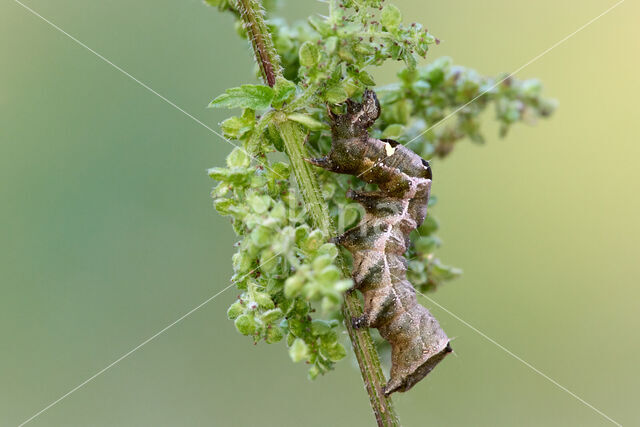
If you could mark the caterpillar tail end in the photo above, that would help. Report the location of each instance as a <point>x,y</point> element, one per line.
<point>406,376</point>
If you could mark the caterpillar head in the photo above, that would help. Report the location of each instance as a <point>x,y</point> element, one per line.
<point>358,118</point>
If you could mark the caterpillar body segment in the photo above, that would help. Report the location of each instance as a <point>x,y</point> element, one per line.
<point>378,243</point>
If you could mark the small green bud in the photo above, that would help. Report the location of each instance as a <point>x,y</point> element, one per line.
<point>321,262</point>
<point>235,310</point>
<point>330,44</point>
<point>220,190</point>
<point>245,324</point>
<point>259,203</point>
<point>328,190</point>
<point>293,285</point>
<point>329,304</point>
<point>282,169</point>
<point>314,371</point>
<point>296,327</point>
<point>278,211</point>
<point>258,181</point>
<point>273,334</point>
<point>273,136</point>
<point>263,299</point>
<point>261,236</point>
<point>298,350</point>
<point>531,88</point>
<point>329,249</point>
<point>321,327</point>
<point>320,25</point>
<point>336,352</point>
<point>302,232</point>
<point>329,274</point>
<point>308,54</point>
<point>390,17</point>
<point>351,215</point>
<point>241,261</point>
<point>271,316</point>
<point>313,241</point>
<point>224,206</point>
<point>269,262</point>
<point>238,158</point>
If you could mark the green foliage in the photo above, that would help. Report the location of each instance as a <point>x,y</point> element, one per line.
<point>290,276</point>
<point>257,97</point>
<point>283,266</point>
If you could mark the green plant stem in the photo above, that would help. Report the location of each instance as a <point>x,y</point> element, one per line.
<point>266,55</point>
<point>293,137</point>
<point>361,341</point>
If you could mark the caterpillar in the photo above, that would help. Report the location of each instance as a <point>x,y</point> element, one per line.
<point>378,243</point>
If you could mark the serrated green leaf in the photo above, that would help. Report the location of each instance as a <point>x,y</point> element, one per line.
<point>235,127</point>
<point>366,78</point>
<point>256,97</point>
<point>239,176</point>
<point>336,94</point>
<point>284,91</point>
<point>393,131</point>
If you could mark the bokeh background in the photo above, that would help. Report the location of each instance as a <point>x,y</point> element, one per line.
<point>107,233</point>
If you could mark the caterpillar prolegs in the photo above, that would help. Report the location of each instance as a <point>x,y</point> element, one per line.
<point>378,243</point>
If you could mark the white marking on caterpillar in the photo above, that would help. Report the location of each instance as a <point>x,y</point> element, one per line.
<point>389,149</point>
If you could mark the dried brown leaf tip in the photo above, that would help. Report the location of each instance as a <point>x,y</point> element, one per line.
<point>378,243</point>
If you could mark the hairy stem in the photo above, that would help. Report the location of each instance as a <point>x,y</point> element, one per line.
<point>252,12</point>
<point>361,341</point>
<point>293,137</point>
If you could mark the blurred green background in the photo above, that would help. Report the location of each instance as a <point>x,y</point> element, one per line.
<point>108,234</point>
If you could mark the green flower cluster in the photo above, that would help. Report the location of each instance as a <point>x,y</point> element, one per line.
<point>427,95</point>
<point>330,53</point>
<point>290,277</point>
<point>283,266</point>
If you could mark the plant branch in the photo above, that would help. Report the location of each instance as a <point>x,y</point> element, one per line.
<point>251,13</point>
<point>361,341</point>
<point>293,137</point>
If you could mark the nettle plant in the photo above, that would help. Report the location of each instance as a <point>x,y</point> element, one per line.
<point>295,282</point>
